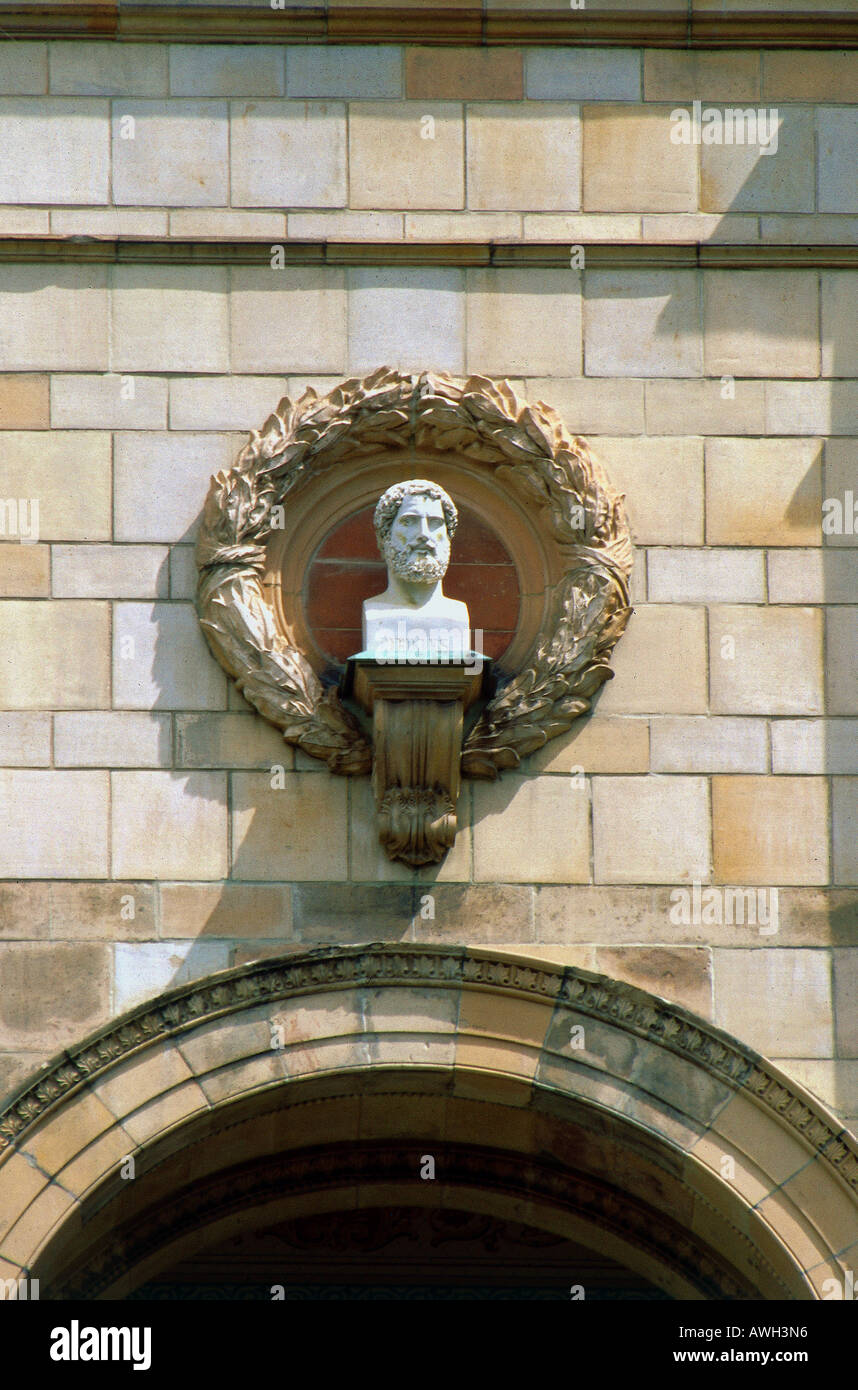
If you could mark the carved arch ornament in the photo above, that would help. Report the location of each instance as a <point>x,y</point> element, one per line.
<point>526,450</point>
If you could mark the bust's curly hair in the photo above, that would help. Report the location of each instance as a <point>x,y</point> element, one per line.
<point>389,503</point>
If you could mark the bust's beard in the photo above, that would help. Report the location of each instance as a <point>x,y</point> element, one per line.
<point>415,567</point>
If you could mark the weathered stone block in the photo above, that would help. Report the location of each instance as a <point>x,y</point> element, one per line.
<point>660,664</point>
<point>641,324</point>
<point>169,318</point>
<point>740,178</point>
<point>24,402</point>
<point>95,69</point>
<point>161,480</point>
<point>777,1001</point>
<point>663,484</point>
<point>765,660</point>
<point>169,154</point>
<point>401,156</point>
<point>168,826</point>
<point>62,150</point>
<point>532,830</point>
<point>596,744</point>
<point>650,829</point>
<point>226,70</point>
<point>223,402</point>
<point>343,70</point>
<point>25,570</point>
<point>144,969</point>
<point>632,165</point>
<point>25,740</point>
<point>701,576</point>
<point>464,74</point>
<point>109,571</point>
<point>707,744</point>
<point>705,407</point>
<point>288,300</point>
<point>524,321</point>
<point>235,910</point>
<point>814,745</point>
<point>102,911</point>
<point>54,655</point>
<point>405,318</point>
<point>524,156</point>
<point>844,826</point>
<point>54,318</point>
<point>230,740</point>
<point>763,492</point>
<point>270,827</point>
<point>583,74</point>
<point>105,739</point>
<point>837,131</point>
<point>770,830</point>
<point>106,402</point>
<point>287,154</point>
<point>161,661</point>
<point>761,323</point>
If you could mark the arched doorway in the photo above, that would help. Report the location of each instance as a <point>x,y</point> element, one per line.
<point>443,1085</point>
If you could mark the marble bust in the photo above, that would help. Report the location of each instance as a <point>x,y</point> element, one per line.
<point>414,620</point>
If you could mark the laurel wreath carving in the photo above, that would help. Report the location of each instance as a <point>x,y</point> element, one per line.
<point>483,421</point>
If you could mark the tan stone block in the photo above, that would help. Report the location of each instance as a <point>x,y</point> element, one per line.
<point>761,323</point>
<point>370,862</point>
<point>53,993</point>
<point>662,480</point>
<point>345,225</point>
<point>499,916</point>
<point>699,227</point>
<point>106,403</point>
<point>109,571</point>
<point>108,222</point>
<point>223,402</point>
<point>406,318</point>
<point>169,826</point>
<point>23,68</point>
<point>60,1139</point>
<point>177,156</point>
<point>680,974</point>
<point>25,570</point>
<point>102,911</point>
<point>650,829</point>
<point>765,660</point>
<point>594,406</point>
<point>146,677</point>
<point>287,300</point>
<point>55,655</point>
<point>226,70</point>
<point>100,1158</point>
<point>229,909</point>
<point>776,1001</point>
<point>169,318</point>
<point>25,740</point>
<point>119,69</point>
<point>27,1237</point>
<point>397,159</point>
<point>740,178</point>
<point>161,480</point>
<point>462,226</point>
<point>18,1067</point>
<point>221,1087</point>
<point>532,830</point>
<point>230,740</point>
<point>350,912</point>
<point>844,824</point>
<point>812,407</point>
<point>632,165</point>
<point>21,1184</point>
<point>763,492</point>
<point>577,229</point>
<point>68,474</point>
<point>54,317</point>
<point>25,221</point>
<point>107,739</point>
<point>809,76</point>
<point>743,1123</point>
<point>706,576</point>
<point>642,323</point>
<point>25,910</point>
<point>674,75</point>
<point>597,744</point>
<point>165,1112</point>
<point>464,74</point>
<point>226,223</point>
<point>705,407</point>
<point>832,1207</point>
<point>288,154</point>
<point>815,745</point>
<point>271,827</point>
<point>24,402</point>
<point>660,663</point>
<point>524,321</point>
<point>770,830</point>
<point>524,156</point>
<point>183,584</point>
<point>144,969</point>
<point>62,150</point>
<point>812,576</point>
<point>707,744</point>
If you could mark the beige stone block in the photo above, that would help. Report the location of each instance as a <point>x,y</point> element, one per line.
<point>642,323</point>
<point>25,910</point>
<point>812,576</point>
<point>223,402</point>
<point>143,970</point>
<point>162,1114</point>
<point>406,319</point>
<point>62,150</point>
<point>23,68</point>
<point>763,492</point>
<point>681,974</point>
<point>814,745</point>
<point>346,226</point>
<point>24,222</point>
<point>67,475</point>
<point>770,830</point>
<point>807,75</point>
<point>169,318</point>
<point>228,909</point>
<point>91,1166</point>
<point>814,229</point>
<point>464,74</point>
<point>841,660</point>
<point>662,480</point>
<point>287,301</point>
<point>230,740</point>
<point>740,178</point>
<point>659,664</point>
<point>632,165</point>
<point>21,1184</point>
<point>106,402</point>
<point>524,156</point>
<point>844,972</point>
<point>161,660</point>
<point>370,862</point>
<point>183,584</point>
<point>597,744</point>
<point>102,911</point>
<point>356,71</point>
<point>95,69</point>
<point>161,481</point>
<point>399,159</point>
<point>25,570</point>
<point>463,226</point>
<point>812,407</point>
<point>31,1232</point>
<point>524,321</point>
<point>54,318</point>
<point>673,75</point>
<point>55,1143</point>
<point>705,407</point>
<point>776,1001</point>
<point>54,655</point>
<point>761,323</point>
<point>139,1079</point>
<point>271,827</point>
<point>707,744</point>
<point>839,311</point>
<point>226,223</point>
<point>836,130</point>
<point>594,406</point>
<point>169,153</point>
<point>55,824</point>
<point>650,829</point>
<point>699,227</point>
<point>25,740</point>
<point>706,576</point>
<point>765,660</point>
<point>169,825</point>
<point>844,824</point>
<point>532,830</point>
<point>288,154</point>
<point>24,402</point>
<point>226,70</point>
<point>108,223</point>
<point>104,739</point>
<point>832,1207</point>
<point>577,229</point>
<point>109,571</point>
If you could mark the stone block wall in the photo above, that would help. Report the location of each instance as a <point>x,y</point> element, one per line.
<point>659,295</point>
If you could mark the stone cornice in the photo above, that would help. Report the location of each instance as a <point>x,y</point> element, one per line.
<point>620,1005</point>
<point>605,255</point>
<point>675,24</point>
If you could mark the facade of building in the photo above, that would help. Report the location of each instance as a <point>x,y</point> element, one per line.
<point>610,1040</point>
